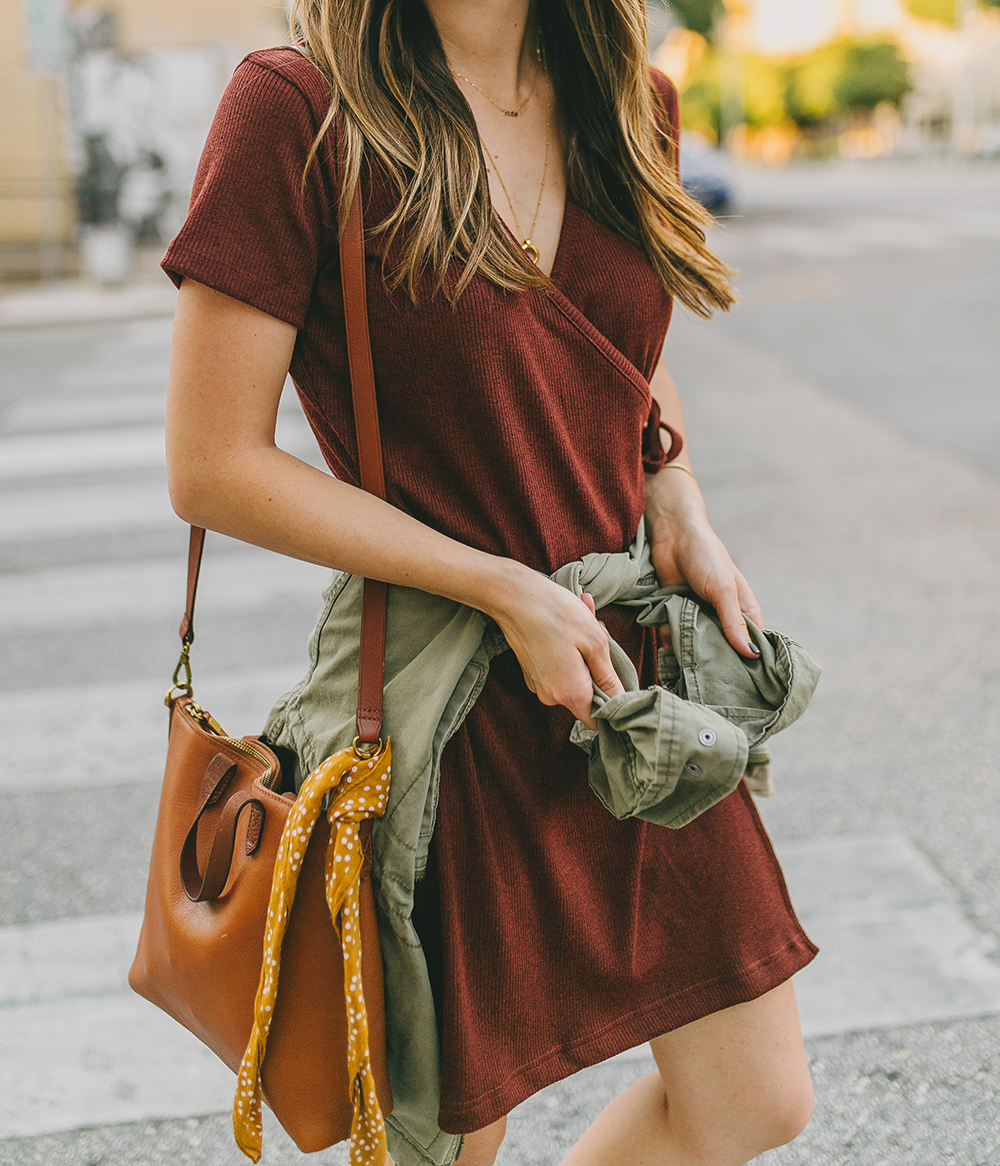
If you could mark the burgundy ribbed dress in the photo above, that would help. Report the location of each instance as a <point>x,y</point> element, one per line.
<point>558,936</point>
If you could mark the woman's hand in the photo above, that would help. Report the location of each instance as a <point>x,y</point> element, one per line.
<point>559,642</point>
<point>686,551</point>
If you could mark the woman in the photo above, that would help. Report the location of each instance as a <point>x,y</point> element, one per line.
<point>527,234</point>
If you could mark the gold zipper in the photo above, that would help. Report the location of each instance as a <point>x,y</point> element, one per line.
<point>211,725</point>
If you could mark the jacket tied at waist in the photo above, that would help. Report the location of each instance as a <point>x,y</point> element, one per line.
<point>665,754</point>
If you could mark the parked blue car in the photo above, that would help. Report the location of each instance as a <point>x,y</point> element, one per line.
<point>705,173</point>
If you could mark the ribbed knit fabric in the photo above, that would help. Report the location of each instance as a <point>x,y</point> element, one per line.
<point>515,424</point>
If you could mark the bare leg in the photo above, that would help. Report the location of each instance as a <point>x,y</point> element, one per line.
<point>737,1084</point>
<point>480,1148</point>
<point>729,1087</point>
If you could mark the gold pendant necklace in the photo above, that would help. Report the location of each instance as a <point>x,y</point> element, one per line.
<point>527,246</point>
<point>521,107</point>
<point>505,112</point>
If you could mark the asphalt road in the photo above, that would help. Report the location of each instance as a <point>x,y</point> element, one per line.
<point>845,422</point>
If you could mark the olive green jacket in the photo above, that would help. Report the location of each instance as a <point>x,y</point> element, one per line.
<point>664,754</point>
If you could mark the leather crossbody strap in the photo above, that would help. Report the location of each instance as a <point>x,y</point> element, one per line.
<point>371,671</point>
<point>371,666</point>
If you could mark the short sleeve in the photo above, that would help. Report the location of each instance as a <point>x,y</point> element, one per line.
<point>253,230</point>
<point>667,93</point>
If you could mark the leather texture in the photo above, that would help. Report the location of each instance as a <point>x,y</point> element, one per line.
<point>199,956</point>
<point>370,471</point>
<point>217,835</point>
<point>196,548</point>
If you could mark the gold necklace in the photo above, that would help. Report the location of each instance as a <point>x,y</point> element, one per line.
<point>520,108</point>
<point>527,246</point>
<point>505,112</point>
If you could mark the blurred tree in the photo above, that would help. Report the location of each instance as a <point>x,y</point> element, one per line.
<point>943,11</point>
<point>818,89</point>
<point>844,75</point>
<point>764,100</point>
<point>701,16</point>
<point>700,104</point>
<point>874,71</point>
<point>940,10</point>
<point>811,84</point>
<point>765,91</point>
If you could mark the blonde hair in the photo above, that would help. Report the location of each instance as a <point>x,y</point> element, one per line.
<point>398,101</point>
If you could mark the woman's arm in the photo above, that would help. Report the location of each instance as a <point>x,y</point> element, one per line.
<point>685,548</point>
<point>227,366</point>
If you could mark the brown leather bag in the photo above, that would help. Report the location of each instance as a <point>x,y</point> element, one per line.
<point>222,811</point>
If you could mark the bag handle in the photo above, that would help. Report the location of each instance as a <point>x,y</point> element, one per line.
<point>371,668</point>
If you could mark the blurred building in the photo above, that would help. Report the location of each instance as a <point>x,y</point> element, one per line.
<point>743,82</point>
<point>104,107</point>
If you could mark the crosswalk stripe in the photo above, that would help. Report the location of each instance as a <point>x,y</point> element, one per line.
<point>77,1048</point>
<point>64,411</point>
<point>34,455</point>
<point>29,515</point>
<point>37,455</point>
<point>98,594</point>
<point>69,958</point>
<point>115,734</point>
<point>74,1063</point>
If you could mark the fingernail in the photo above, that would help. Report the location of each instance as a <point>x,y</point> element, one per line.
<point>753,647</point>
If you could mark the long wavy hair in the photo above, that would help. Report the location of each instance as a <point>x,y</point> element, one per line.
<point>390,81</point>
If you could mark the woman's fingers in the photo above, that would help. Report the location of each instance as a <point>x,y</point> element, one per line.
<point>599,662</point>
<point>748,601</point>
<point>569,681</point>
<point>603,671</point>
<point>727,607</point>
<point>573,689</point>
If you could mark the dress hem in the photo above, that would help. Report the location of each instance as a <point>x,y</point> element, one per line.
<point>663,1015</point>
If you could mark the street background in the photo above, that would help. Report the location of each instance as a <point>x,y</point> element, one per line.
<point>844,424</point>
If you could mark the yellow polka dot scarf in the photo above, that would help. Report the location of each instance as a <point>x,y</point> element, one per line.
<point>359,789</point>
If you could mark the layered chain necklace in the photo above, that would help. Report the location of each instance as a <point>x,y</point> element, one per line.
<point>521,108</point>
<point>506,112</point>
<point>527,246</point>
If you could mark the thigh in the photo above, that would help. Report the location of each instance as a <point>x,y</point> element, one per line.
<point>738,1075</point>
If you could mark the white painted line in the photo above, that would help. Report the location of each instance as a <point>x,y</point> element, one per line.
<point>77,1049</point>
<point>135,447</point>
<point>124,374</point>
<point>69,958</point>
<point>67,411</point>
<point>97,594</point>
<point>31,515</point>
<point>116,734</point>
<point>38,455</point>
<point>81,303</point>
<point>114,1059</point>
<point>895,947</point>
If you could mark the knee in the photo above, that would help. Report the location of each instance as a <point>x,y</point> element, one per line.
<point>749,1129</point>
<point>781,1119</point>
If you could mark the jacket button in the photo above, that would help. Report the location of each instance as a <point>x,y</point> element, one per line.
<point>692,768</point>
<point>707,738</point>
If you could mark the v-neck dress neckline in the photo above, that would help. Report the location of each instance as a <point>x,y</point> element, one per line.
<point>580,322</point>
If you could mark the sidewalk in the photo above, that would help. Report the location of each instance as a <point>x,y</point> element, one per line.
<point>82,302</point>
